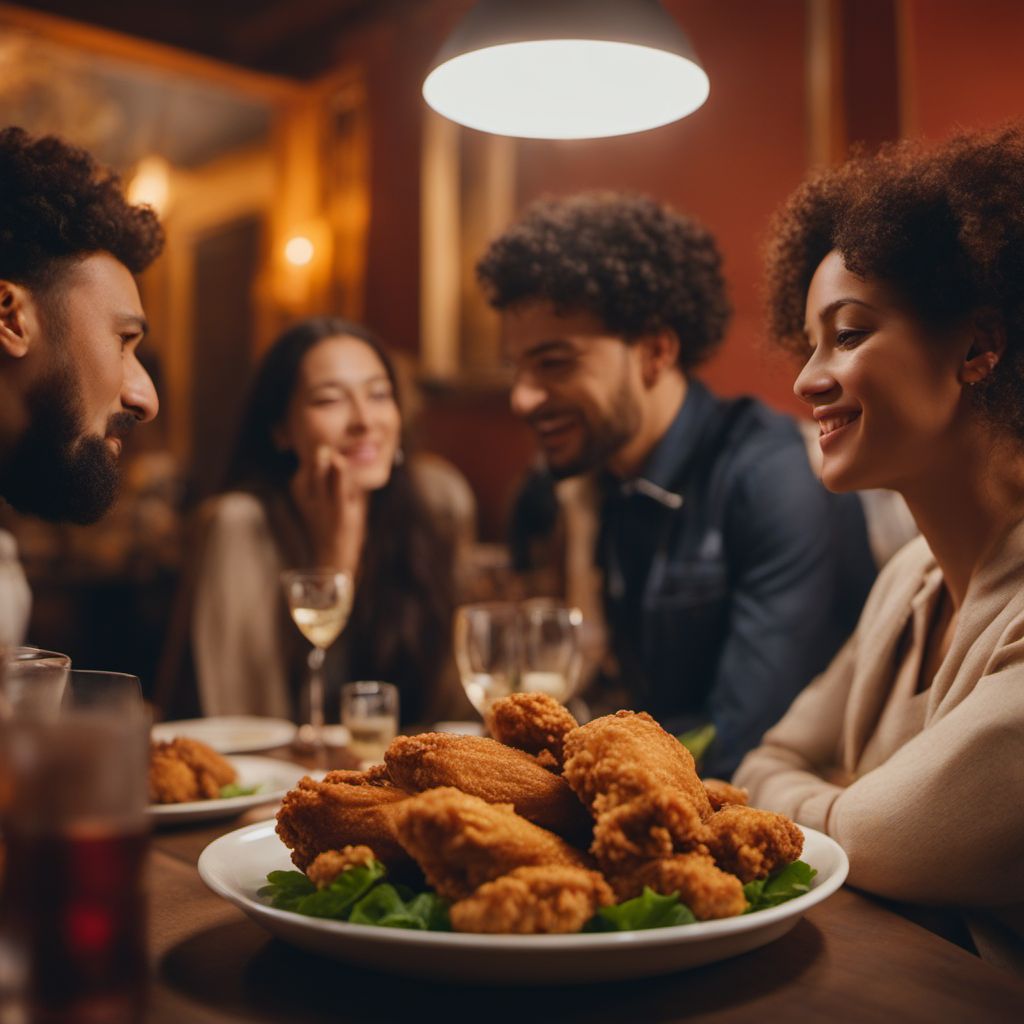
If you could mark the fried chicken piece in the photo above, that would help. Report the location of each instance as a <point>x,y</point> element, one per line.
<point>534,722</point>
<point>751,843</point>
<point>319,816</point>
<point>487,769</point>
<point>721,793</point>
<point>548,898</point>
<point>182,770</point>
<point>375,775</point>
<point>707,890</point>
<point>461,841</point>
<point>613,759</point>
<point>327,866</point>
<point>654,825</point>
<point>171,781</point>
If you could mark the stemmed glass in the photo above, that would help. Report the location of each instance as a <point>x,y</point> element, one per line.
<point>551,652</point>
<point>502,648</point>
<point>486,642</point>
<point>319,601</point>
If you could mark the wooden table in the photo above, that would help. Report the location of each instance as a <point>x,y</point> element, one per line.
<point>848,959</point>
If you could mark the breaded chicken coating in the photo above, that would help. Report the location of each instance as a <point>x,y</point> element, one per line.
<point>487,769</point>
<point>182,770</point>
<point>546,899</point>
<point>328,865</point>
<point>707,890</point>
<point>534,722</point>
<point>319,816</point>
<point>375,775</point>
<point>625,755</point>
<point>657,824</point>
<point>461,841</point>
<point>751,843</point>
<point>721,793</point>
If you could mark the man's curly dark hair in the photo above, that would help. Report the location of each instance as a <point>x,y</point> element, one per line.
<point>635,264</point>
<point>943,226</point>
<point>58,205</point>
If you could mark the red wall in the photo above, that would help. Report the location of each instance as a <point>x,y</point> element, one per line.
<point>963,64</point>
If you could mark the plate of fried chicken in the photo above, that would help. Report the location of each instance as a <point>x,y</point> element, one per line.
<point>190,782</point>
<point>526,835</point>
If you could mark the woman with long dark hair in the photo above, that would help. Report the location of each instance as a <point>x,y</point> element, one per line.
<point>900,279</point>
<point>320,477</point>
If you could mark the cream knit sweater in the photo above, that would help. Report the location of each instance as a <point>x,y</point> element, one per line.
<point>932,811</point>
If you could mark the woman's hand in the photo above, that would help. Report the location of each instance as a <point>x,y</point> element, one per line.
<point>333,510</point>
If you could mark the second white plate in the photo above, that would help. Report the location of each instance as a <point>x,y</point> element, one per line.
<point>230,734</point>
<point>273,777</point>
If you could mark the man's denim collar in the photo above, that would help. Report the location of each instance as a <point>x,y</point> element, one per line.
<point>662,474</point>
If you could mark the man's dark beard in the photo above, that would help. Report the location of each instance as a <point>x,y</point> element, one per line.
<point>605,438</point>
<point>56,472</point>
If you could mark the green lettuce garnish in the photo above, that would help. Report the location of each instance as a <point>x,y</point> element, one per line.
<point>358,895</point>
<point>384,906</point>
<point>292,890</point>
<point>698,740</point>
<point>788,882</point>
<point>234,789</point>
<point>648,910</point>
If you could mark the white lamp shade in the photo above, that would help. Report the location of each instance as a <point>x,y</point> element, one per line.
<point>566,69</point>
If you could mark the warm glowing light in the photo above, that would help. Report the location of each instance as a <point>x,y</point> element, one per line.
<point>298,251</point>
<point>566,88</point>
<point>151,184</point>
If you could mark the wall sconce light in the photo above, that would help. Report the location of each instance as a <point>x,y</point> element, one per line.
<point>566,69</point>
<point>151,184</point>
<point>299,251</point>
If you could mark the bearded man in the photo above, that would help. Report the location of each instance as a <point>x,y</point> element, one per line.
<point>71,321</point>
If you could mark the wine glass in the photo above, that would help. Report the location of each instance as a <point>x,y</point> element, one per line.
<point>487,642</point>
<point>550,649</point>
<point>319,601</point>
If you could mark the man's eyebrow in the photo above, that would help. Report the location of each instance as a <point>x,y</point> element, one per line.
<point>548,345</point>
<point>140,323</point>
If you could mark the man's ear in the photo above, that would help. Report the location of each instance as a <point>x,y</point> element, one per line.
<point>659,352</point>
<point>14,333</point>
<point>986,348</point>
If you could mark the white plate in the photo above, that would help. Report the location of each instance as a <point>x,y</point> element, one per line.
<point>230,734</point>
<point>274,778</point>
<point>236,865</point>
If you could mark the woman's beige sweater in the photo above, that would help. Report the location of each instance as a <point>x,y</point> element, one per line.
<point>930,808</point>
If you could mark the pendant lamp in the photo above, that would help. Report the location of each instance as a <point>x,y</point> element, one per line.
<point>566,69</point>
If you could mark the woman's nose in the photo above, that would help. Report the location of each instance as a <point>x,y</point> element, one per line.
<point>814,381</point>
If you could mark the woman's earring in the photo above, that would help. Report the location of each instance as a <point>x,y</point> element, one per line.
<point>399,457</point>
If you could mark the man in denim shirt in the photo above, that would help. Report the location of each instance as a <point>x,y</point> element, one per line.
<point>730,575</point>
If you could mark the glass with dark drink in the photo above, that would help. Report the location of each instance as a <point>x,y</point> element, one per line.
<point>73,798</point>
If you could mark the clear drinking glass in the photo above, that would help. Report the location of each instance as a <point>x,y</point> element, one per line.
<point>74,829</point>
<point>551,651</point>
<point>487,651</point>
<point>369,710</point>
<point>33,683</point>
<point>319,601</point>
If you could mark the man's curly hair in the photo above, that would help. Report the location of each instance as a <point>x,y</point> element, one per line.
<point>635,264</point>
<point>943,226</point>
<point>58,205</point>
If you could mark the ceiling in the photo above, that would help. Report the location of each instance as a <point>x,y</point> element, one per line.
<point>286,37</point>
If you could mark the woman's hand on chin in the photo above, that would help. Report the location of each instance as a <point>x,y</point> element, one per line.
<point>333,509</point>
